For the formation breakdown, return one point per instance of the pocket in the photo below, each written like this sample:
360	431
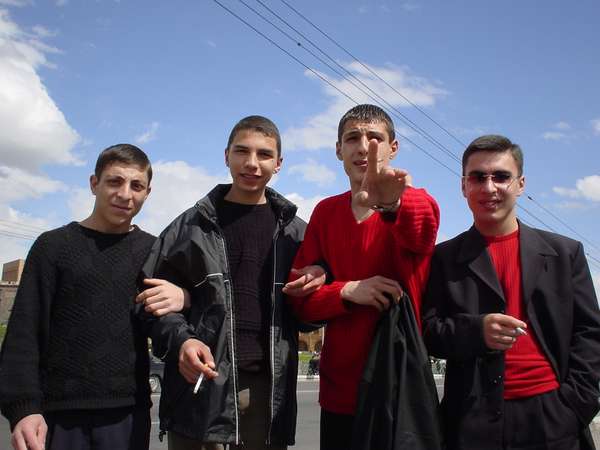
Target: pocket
560	421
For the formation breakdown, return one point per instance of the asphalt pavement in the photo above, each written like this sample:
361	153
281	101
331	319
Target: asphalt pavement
307	433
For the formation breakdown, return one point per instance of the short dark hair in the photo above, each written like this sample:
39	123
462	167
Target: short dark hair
260	124
367	113
126	154
496	144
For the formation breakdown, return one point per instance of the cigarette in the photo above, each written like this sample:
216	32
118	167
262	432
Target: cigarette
520	331
198	383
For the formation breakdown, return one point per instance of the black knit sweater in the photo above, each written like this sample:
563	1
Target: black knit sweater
72	342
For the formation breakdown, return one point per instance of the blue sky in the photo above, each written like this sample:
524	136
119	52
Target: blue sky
173	78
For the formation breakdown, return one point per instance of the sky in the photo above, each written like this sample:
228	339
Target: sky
174	77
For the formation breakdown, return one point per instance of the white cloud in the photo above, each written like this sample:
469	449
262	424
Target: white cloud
148	135
60	3
313	172
17	233
305	205
596	125
562	125
43	32
15	2
587	187
34	131
17	184
409	6
320	131
554	136
176	186
80	203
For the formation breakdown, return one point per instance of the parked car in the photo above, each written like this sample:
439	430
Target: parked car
157	368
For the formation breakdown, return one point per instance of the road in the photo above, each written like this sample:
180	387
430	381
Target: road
307	433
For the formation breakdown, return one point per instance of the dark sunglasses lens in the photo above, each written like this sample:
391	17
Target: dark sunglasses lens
501	178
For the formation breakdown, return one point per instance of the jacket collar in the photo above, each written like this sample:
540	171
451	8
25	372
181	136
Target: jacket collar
284	209
533	250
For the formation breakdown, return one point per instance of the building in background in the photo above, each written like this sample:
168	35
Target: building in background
11	275
13	270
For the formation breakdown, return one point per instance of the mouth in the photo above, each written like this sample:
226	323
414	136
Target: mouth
122	208
249	176
490	204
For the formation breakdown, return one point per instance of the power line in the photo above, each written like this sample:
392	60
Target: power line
373	73
325	79
347	95
563	222
26	227
405	119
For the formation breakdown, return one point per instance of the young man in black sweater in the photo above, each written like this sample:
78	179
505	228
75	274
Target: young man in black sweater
231	360
74	364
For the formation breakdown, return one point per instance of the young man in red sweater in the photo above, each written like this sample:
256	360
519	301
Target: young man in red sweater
514	312
377	240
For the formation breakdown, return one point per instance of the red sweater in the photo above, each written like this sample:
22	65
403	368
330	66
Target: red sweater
527	370
399	249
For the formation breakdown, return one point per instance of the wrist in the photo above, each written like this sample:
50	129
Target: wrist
386	206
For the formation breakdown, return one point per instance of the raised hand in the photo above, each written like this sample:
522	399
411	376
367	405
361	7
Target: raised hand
382	185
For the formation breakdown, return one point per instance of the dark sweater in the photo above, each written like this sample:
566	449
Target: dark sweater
248	232
71	341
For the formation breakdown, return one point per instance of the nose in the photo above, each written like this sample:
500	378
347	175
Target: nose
363	145
488	185
251	161
124	192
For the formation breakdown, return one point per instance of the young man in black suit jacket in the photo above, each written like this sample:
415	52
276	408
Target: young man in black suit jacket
513	310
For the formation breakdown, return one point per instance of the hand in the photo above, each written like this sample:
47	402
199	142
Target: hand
499	331
382	185
163	297
30	433
195	358
375	291
310	279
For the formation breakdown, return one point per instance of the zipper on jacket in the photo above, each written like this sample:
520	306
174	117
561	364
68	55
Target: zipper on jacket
272	336
232	342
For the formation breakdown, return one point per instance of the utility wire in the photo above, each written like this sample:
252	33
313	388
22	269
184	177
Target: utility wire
563	222
375	74
25	227
323	78
403	117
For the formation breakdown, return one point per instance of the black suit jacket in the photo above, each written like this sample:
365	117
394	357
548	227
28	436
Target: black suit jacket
563	313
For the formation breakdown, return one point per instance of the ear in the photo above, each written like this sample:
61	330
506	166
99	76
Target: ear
338	151
227	157
520	185
278	165
93	183
394	146
463	187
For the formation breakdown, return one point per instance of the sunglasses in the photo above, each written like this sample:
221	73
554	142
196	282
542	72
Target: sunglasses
500	178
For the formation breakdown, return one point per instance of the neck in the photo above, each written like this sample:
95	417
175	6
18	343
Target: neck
246	198
94	223
497	229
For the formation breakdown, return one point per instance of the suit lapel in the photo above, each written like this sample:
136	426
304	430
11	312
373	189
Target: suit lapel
474	252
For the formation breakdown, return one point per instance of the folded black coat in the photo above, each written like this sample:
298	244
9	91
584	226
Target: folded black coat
397	399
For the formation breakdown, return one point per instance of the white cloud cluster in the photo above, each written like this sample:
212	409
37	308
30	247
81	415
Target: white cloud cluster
34	131
320	131
596	125
313	172
176	186
554	136
587	188
148	135
305	205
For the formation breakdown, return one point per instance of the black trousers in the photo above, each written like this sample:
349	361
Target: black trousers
336	431
541	422
99	429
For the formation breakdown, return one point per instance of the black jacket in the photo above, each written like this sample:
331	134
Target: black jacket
563	313
191	252
397	399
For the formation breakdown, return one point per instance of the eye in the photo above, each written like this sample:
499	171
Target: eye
501	177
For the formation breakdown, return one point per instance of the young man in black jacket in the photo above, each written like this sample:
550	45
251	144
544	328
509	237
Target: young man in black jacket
231	360
513	310
74	364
